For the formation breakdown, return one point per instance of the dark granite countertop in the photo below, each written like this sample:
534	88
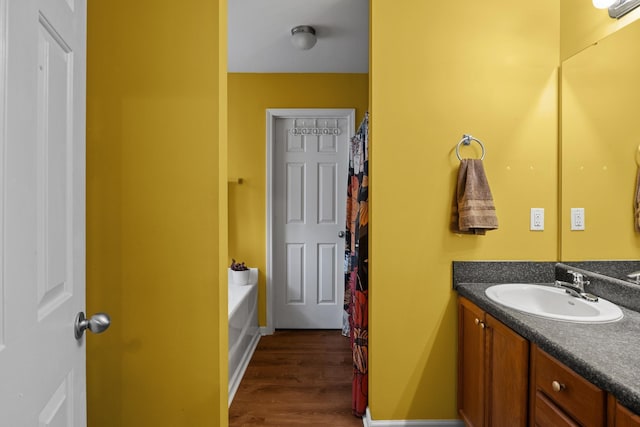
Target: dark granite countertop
608	355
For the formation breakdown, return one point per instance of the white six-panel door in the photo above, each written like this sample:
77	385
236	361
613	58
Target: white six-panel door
309	201
42	205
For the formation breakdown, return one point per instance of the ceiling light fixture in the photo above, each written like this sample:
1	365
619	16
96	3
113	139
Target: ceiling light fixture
303	37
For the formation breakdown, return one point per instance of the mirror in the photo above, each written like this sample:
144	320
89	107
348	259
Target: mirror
600	148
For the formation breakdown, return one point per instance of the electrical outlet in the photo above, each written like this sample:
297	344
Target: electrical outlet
537	219
577	219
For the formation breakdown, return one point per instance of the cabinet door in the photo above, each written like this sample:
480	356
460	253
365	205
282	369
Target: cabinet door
471	364
507	375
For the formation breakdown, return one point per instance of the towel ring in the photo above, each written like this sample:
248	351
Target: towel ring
466	140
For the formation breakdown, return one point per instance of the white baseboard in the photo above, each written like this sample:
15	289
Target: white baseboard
246	358
266	330
368	422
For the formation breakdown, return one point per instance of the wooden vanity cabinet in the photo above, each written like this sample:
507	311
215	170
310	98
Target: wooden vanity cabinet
619	416
501	383
560	397
493	371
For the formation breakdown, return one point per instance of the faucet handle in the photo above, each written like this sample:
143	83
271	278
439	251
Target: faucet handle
634	277
578	278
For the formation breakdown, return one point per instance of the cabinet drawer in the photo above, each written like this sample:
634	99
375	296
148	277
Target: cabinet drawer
548	415
625	418
579	398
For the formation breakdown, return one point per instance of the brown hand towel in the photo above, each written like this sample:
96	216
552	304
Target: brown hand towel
473	210
636	204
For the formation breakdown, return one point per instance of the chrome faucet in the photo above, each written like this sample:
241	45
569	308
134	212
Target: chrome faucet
576	288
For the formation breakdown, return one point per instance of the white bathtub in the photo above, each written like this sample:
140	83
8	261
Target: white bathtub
244	332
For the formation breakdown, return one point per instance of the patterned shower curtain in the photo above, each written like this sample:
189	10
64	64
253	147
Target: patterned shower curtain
357	264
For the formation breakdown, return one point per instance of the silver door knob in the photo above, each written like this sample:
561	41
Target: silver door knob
98	323
340	234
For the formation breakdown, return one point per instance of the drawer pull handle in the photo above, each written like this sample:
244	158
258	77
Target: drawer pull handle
556	386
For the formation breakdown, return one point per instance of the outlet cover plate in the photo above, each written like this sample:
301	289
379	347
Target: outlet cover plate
577	219
537	219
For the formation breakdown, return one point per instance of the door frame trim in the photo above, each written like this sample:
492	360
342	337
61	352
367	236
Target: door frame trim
274	114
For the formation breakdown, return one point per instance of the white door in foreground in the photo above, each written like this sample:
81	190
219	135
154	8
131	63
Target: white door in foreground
42	212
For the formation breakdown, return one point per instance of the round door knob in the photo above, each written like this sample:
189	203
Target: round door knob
557	386
340	234
97	324
477	321
483	325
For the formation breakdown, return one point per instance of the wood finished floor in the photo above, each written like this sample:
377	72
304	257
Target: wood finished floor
297	378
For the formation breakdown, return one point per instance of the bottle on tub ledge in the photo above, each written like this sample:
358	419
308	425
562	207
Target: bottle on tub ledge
240	274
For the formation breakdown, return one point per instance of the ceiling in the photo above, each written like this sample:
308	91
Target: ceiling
260	31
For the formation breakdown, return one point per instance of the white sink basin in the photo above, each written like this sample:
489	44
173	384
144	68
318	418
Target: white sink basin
553	303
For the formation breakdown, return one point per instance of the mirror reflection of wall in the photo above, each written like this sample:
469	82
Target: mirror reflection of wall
600	138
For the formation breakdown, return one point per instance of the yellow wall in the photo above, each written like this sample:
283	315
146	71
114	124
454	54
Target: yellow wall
600	92
223	220
104	219
250	95
440	70
157	172
584	25
156	212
